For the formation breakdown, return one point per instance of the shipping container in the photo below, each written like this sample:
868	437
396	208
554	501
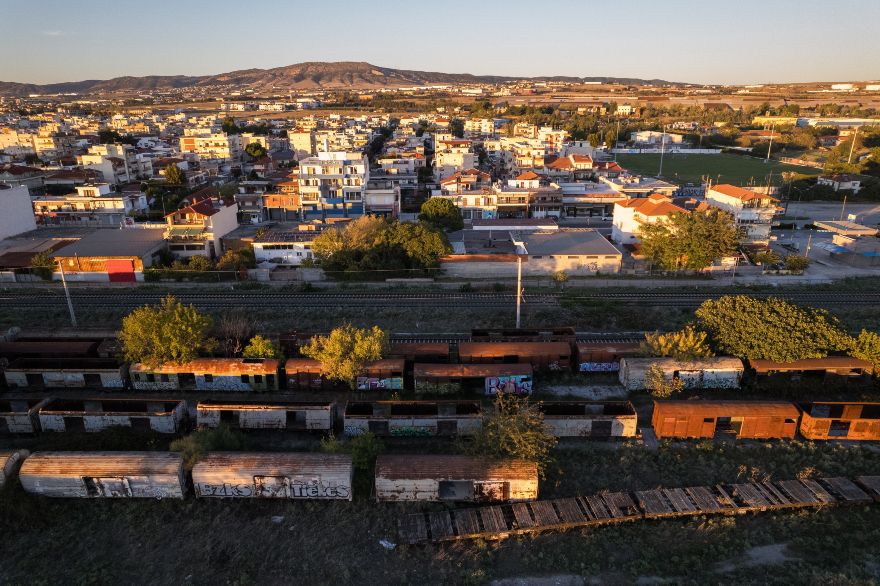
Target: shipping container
104	475
94	415
741	419
604	356
9	463
20	415
830	420
594	419
541	355
42	373
304	374
454	478
312	476
209	374
413	418
721	372
490	379
290	415
830	370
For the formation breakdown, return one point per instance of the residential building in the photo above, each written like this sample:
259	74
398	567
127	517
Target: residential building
93	205
843	181
30	177
752	211
117	163
17	214
573	167
638	186
333	184
211	145
577	251
111	255
631	214
287	247
198	228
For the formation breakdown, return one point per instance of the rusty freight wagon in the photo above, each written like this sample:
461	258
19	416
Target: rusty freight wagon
104	475
49	348
596	419
304	374
487	378
720	372
420	351
831	420
209	374
41	373
454	478
541	355
549	334
20	415
290	415
604	356
94	415
9	462
296	476
830	370
413	418
742	419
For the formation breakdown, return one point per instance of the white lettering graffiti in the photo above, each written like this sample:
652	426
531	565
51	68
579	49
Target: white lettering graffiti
517	384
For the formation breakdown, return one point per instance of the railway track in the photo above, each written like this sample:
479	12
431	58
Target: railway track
263	299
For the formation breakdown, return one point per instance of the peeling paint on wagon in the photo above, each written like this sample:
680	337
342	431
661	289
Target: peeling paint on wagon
721	372
413	418
209	374
298	415
104	475
66	373
293	476
20	415
95	415
453	378
599	419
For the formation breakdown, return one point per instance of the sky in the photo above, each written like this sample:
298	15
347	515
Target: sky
697	41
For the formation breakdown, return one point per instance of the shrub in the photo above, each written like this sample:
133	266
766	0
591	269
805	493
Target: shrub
193	446
659	386
796	263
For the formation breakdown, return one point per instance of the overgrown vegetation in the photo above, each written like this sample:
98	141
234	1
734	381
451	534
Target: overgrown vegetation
684	344
689	241
661	386
167	332
260	347
346	350
194	446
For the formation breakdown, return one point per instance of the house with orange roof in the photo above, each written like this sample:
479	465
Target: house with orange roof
752	211
631	214
196	230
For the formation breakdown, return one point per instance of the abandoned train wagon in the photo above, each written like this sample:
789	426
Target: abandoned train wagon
9	461
541	355
598	419
491	379
831	420
94	415
311	476
743	419
304	374
290	415
548	334
454	478
41	373
20	415
420	351
413	418
104	474
604	356
209	374
721	372
828	370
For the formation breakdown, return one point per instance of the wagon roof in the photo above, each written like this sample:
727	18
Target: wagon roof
470	370
269	463
258	405
726	408
414	467
764	366
511	348
294	364
609	346
421	347
717	362
217	366
78	464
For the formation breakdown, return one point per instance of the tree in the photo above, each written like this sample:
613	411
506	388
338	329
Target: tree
769	329
200	263
866	347
195	445
456	128
346	350
689	240
514	429
560	278
260	347
174	175
43	265
167	332
767	258
658	385
236	260
685	344
233	329
255	150
441	212
796	263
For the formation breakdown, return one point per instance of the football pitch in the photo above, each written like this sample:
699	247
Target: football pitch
722	168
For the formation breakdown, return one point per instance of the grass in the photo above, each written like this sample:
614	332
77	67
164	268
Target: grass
723	168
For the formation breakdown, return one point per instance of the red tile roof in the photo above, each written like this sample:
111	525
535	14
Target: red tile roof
739	193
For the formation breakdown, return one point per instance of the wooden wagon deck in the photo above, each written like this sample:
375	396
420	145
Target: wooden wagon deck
499	521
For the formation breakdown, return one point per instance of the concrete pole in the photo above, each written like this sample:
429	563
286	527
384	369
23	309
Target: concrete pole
518	287
67	294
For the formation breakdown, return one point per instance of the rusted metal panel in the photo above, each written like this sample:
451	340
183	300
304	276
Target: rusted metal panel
274	475
413	418
745	419
104	474
549	334
94	415
839	420
450	378
421	351
209	374
598	419
20	415
9	462
837	364
602	356
380	375
541	355
294	415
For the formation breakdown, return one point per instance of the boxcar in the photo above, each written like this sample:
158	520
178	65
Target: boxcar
40	373
413	418
290	415
104	474
721	372
541	355
382	375
454	478
209	374
828	370
312	476
429	352
94	415
20	415
830	420
490	378
9	462
743	419
549	334
603	356
595	419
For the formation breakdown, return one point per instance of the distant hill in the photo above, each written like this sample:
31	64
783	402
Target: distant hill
311	75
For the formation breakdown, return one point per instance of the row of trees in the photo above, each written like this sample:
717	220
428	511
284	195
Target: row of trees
201	268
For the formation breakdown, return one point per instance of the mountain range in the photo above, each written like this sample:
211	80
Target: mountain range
301	76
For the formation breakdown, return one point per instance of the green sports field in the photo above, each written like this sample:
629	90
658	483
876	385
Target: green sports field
723	168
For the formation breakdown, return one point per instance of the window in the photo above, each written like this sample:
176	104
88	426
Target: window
244	378
151	378
163	378
209	378
258	378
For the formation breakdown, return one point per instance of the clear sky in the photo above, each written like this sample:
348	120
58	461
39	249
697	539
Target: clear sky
708	41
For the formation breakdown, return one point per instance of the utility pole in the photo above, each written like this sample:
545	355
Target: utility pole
67	294
807	251
843	207
770	146
518	287
662	149
616	138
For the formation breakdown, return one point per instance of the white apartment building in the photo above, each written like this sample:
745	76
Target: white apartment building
333	183
752	211
18	213
631	214
197	229
93	205
211	145
118	163
302	143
